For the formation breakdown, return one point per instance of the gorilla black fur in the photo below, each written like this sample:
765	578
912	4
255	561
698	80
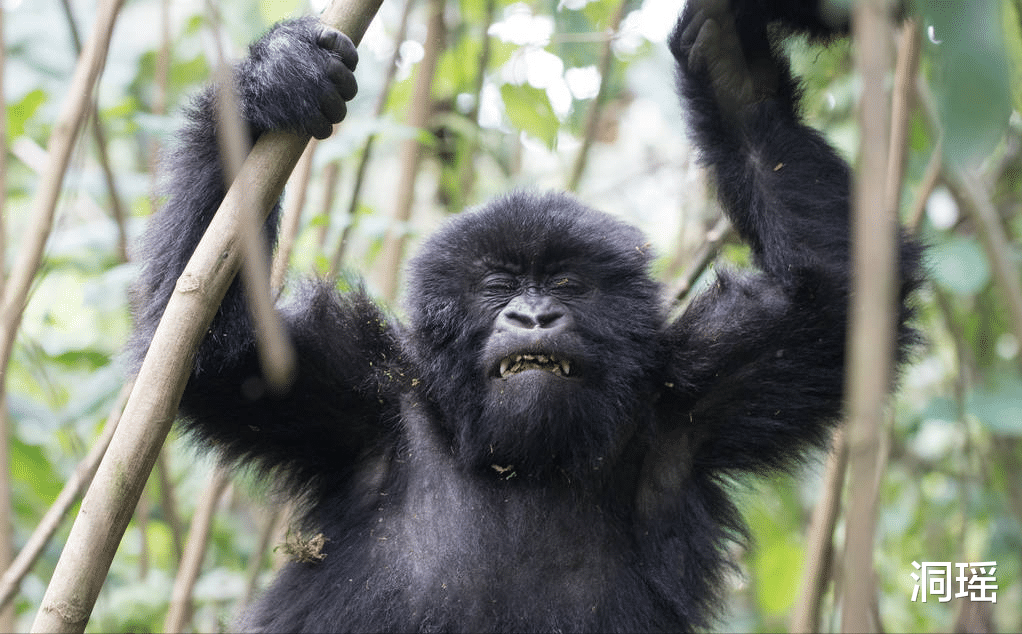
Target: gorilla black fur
540	448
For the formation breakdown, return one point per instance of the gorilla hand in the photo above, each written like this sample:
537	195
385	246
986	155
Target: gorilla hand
740	67
298	78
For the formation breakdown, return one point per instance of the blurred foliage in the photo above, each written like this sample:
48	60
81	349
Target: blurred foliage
951	490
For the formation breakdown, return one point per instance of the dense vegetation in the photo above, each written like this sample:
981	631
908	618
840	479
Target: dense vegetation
573	94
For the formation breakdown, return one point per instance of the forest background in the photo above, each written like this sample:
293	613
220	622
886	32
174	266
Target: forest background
575	95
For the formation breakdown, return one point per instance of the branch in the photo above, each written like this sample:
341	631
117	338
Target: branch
819	555
872	312
272	520
294	202
820	550
151	409
275	353
168	501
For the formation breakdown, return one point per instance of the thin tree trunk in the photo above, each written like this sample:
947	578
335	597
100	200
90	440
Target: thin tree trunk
411	152
821	528
820	550
180	612
367	150
596	107
467	163
152	406
272	520
6	514
294	202
61	143
872	318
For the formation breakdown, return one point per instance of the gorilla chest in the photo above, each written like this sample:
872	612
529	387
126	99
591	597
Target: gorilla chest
474	554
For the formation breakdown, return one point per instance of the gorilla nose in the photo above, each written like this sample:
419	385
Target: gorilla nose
530	313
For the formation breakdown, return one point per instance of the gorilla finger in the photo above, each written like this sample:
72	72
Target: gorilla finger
688	35
705	46
717	7
337	42
332	106
342	78
320	127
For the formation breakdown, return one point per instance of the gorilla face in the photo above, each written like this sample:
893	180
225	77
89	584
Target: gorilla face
535	325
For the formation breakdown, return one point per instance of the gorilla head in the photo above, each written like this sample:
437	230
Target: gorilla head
553	304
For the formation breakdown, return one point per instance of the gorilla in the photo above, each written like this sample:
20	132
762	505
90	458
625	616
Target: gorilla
539	447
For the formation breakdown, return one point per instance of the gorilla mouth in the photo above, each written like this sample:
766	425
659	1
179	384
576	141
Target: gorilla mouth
516	363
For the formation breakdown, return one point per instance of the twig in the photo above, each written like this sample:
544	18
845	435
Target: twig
99	136
596	107
180	612
329	176
169	503
3	157
901	104
702	259
872	317
969	188
926	186
276	355
152	406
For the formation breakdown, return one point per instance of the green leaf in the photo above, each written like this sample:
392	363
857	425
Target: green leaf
529	110
972	80
19	113
960	266
999	406
33	474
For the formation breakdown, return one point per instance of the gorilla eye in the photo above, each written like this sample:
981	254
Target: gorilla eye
568	285
499	284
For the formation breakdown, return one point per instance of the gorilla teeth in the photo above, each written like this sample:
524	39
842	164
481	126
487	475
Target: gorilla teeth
522	362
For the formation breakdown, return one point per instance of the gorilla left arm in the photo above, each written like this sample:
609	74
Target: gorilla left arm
757	361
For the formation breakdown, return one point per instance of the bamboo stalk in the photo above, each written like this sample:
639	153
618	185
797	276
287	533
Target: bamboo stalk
152	406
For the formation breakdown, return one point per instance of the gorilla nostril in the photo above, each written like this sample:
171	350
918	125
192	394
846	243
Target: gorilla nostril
533	311
530	320
520	320
549	320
